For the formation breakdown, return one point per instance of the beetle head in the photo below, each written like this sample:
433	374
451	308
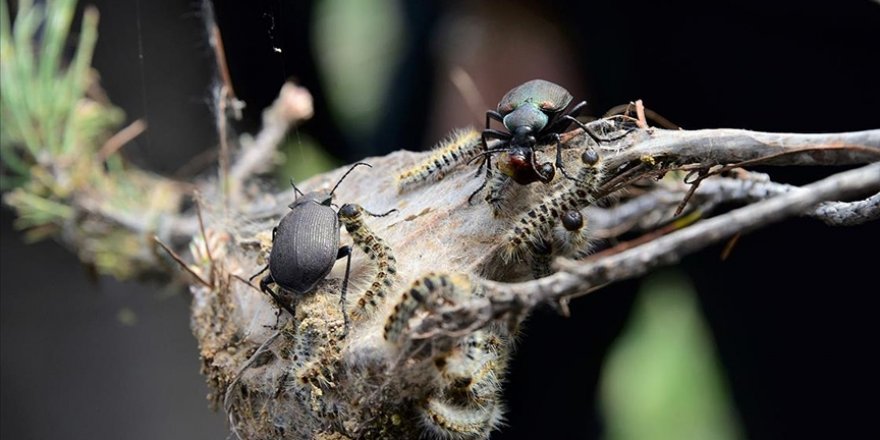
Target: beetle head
522	137
322	197
319	197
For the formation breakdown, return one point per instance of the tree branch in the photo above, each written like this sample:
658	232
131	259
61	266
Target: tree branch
849	214
575	277
293	105
656	206
727	146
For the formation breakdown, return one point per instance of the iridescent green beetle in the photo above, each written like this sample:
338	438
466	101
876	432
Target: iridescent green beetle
533	113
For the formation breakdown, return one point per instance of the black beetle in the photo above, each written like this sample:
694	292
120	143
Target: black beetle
305	246
532	113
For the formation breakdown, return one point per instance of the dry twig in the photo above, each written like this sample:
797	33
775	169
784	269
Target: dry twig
579	276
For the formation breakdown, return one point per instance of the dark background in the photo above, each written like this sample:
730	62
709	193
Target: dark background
793	310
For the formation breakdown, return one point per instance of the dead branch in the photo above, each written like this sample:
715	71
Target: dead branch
849	214
729	146
656	207
293	105
578	276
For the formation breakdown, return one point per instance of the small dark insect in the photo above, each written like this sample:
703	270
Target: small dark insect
305	246
533	113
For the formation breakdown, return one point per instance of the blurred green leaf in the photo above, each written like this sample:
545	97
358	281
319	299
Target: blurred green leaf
358	45
662	379
43	109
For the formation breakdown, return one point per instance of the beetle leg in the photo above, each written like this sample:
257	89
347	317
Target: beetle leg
496	134
264	287
255	275
562	123
487	160
576	110
592	135
544	177
274	231
278	312
493	134
344	251
492	114
555	137
580	124
614	138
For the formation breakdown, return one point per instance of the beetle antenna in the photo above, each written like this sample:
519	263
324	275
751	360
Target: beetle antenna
382	214
346	175
488	152
294	187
